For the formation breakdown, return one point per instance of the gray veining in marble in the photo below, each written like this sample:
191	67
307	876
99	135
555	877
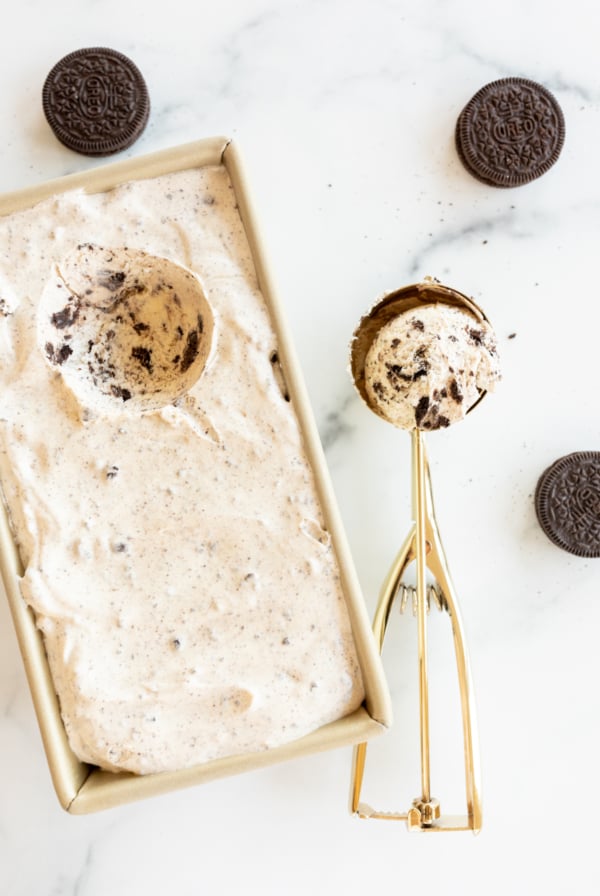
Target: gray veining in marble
345	113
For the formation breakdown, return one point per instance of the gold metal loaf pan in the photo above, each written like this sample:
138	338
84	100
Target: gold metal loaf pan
82	788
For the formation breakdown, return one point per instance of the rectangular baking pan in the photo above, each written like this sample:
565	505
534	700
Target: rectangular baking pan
82	788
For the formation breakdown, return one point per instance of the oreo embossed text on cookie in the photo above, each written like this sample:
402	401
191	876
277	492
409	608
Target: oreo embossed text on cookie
567	503
96	101
510	133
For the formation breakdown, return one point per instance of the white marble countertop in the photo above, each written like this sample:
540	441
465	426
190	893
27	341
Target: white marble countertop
345	113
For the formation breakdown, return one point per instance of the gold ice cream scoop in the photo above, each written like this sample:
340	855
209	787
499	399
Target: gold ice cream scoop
417	356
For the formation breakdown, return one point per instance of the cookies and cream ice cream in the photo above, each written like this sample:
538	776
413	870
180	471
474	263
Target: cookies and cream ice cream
174	548
125	326
427	366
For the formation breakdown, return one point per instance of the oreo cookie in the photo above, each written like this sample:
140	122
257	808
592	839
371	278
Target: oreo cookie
510	133
96	101
567	503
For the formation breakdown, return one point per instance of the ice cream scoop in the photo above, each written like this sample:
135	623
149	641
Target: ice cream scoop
423	356
127	330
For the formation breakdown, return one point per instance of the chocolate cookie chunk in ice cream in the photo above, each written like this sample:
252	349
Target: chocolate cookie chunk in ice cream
124	326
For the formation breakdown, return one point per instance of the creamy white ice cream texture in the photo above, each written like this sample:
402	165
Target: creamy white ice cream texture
428	366
174	546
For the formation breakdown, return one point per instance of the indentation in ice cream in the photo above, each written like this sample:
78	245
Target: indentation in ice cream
428	366
123	326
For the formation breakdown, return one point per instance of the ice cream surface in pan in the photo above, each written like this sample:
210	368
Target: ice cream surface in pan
167	517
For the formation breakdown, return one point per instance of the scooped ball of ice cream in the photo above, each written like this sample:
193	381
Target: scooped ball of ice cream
126	329
427	366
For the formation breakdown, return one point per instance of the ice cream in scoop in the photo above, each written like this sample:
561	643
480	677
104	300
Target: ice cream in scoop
427	366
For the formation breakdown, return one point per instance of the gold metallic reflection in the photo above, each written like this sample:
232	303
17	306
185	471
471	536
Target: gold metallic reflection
424	546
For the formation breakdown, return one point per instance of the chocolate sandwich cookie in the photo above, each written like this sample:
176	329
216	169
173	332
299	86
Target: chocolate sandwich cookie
510	132
96	101
567	503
